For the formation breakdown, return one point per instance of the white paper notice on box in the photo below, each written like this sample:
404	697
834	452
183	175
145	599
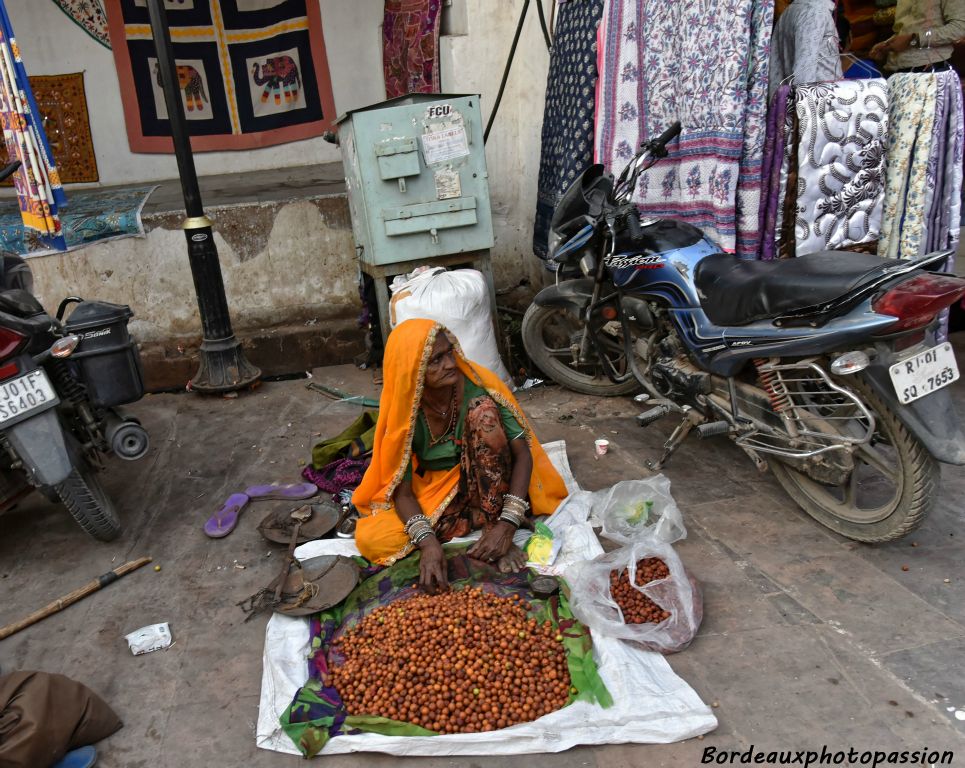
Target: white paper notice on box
445	145
154	637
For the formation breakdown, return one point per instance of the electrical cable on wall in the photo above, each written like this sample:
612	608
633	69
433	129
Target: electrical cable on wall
512	55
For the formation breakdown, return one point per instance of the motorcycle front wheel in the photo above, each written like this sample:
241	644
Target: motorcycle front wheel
893	487
88	503
551	336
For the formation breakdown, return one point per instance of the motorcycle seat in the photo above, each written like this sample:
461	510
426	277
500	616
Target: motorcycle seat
20	303
736	291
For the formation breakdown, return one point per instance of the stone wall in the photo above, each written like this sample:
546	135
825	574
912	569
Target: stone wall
289	274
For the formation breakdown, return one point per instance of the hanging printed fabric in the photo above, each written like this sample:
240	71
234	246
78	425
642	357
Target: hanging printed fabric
705	65
944	175
843	134
567	134
90	16
252	73
62	104
911	115
775	146
751	168
39	191
783	239
410	46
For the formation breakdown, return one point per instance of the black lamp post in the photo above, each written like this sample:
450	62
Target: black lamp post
223	366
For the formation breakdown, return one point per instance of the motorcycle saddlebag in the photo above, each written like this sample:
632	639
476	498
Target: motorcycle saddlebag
107	358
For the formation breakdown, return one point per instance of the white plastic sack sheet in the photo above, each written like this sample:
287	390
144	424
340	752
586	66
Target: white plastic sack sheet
592	603
635	509
459	299
651	704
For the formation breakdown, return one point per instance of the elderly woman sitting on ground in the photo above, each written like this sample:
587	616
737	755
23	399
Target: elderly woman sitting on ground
453	453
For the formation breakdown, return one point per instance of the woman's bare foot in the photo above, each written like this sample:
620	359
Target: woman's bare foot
514	560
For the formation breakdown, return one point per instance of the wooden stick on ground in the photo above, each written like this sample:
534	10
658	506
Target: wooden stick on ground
78	594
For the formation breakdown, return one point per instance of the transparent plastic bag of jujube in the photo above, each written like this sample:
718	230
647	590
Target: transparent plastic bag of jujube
679	594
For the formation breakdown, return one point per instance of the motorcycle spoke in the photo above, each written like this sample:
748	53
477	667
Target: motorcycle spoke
851	489
874	459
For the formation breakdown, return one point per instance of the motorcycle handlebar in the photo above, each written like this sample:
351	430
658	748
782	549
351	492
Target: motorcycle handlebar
652	150
633	223
671	133
658	147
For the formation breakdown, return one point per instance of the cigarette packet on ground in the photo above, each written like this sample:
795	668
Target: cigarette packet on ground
150	638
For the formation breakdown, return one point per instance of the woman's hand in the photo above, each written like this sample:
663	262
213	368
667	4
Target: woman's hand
494	543
894	44
432	567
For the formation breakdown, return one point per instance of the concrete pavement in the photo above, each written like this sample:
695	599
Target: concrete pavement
808	639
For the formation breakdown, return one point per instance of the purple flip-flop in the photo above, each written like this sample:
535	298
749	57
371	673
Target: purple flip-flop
285	491
223	522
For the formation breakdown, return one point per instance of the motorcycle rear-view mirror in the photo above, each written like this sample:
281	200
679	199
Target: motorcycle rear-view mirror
596	199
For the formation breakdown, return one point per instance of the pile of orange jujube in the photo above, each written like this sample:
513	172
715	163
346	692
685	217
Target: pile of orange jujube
637	607
460	662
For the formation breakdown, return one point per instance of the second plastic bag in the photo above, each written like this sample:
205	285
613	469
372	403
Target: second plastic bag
592	603
635	509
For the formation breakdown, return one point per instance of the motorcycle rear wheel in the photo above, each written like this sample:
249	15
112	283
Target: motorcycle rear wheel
88	503
545	329
896	457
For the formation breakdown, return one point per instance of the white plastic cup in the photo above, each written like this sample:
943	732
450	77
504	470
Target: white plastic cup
602	446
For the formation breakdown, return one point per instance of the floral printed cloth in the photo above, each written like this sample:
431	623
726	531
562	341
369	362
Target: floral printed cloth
704	64
843	131
911	115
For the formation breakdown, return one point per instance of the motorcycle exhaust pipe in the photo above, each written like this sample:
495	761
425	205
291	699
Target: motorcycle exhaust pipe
127	439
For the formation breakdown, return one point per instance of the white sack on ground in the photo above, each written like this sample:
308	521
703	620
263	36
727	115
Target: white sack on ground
651	703
459	299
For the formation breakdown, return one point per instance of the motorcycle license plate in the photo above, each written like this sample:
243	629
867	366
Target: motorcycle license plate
922	374
25	394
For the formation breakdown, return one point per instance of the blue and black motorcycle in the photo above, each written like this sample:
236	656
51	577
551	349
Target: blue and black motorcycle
829	365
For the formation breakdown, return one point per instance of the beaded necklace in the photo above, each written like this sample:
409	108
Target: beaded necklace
450	424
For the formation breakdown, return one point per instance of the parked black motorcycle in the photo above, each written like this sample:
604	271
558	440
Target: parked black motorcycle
60	383
829	364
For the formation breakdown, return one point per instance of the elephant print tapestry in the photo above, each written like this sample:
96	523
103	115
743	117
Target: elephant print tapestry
251	73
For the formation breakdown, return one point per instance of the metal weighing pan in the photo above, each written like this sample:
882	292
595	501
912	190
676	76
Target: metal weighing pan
318	583
277	525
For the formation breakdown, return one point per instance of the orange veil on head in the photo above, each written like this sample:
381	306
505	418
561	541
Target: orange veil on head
379	533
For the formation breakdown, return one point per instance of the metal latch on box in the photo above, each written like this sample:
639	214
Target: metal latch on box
397	159
430	217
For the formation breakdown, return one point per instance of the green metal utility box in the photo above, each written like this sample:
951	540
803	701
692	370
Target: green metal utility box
418	189
415	170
